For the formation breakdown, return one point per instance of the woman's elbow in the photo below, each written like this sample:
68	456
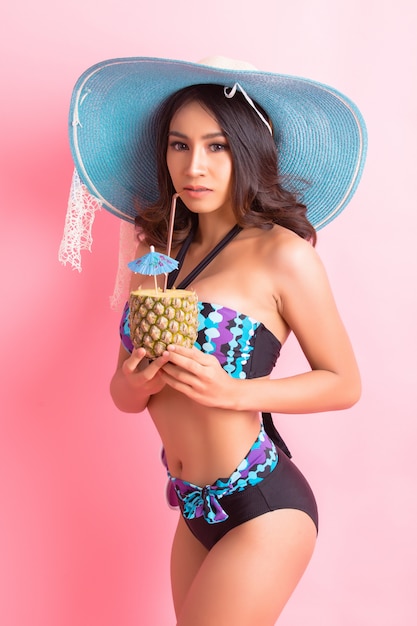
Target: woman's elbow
351	392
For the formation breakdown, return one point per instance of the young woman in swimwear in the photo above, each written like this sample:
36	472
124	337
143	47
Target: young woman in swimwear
248	521
209	419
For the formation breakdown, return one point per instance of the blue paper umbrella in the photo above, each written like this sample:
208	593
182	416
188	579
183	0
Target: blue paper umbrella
153	263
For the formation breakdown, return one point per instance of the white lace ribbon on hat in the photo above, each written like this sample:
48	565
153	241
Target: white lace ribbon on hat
229	92
78	223
77	236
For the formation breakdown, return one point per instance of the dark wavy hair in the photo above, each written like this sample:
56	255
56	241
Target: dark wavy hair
259	196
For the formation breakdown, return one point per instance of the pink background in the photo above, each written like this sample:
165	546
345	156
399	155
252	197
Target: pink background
84	530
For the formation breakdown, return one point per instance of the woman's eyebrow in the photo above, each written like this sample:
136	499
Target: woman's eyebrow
175	133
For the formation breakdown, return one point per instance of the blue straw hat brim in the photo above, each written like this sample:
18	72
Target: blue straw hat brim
320	134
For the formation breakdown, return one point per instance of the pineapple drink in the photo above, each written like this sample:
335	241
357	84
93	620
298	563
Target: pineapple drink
159	318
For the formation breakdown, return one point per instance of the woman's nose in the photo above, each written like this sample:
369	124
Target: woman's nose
196	165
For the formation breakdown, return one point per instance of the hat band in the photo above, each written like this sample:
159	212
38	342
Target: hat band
229	92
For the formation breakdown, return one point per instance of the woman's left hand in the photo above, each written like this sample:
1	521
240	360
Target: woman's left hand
199	376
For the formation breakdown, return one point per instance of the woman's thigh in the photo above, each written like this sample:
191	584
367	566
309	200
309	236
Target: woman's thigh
187	555
249	575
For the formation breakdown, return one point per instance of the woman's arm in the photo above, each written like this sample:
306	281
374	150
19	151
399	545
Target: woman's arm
305	301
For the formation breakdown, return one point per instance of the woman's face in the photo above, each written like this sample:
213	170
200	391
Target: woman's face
199	161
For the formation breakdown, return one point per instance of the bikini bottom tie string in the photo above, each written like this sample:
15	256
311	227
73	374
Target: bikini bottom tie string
203	502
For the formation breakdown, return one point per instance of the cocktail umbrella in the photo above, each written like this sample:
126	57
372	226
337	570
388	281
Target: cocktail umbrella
153	264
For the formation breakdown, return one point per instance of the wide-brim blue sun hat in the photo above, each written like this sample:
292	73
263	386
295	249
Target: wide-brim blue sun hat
320	136
320	133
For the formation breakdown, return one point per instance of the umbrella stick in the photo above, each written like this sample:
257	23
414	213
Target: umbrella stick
170	231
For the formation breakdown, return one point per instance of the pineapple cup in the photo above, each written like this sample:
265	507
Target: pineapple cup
159	318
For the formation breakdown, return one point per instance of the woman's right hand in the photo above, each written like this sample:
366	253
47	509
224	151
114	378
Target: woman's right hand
135	381
141	376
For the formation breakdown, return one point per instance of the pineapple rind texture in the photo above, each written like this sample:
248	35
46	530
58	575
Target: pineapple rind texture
160	319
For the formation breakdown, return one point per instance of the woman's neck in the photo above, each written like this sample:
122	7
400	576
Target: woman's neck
211	229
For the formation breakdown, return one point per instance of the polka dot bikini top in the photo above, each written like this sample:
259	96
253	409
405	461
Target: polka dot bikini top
244	347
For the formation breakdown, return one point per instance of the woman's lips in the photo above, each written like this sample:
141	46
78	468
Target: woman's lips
196	192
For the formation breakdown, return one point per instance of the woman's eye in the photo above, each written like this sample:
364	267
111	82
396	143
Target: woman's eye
178	145
218	147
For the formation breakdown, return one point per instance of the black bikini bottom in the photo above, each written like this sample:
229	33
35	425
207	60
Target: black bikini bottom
284	488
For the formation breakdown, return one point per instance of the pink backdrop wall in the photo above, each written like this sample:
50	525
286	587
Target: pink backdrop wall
77	543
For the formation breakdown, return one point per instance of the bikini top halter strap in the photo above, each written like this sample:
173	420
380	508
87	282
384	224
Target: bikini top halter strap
204	262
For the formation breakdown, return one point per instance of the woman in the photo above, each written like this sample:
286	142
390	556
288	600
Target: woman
248	522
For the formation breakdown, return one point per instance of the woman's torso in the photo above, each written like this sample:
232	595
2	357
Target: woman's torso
202	443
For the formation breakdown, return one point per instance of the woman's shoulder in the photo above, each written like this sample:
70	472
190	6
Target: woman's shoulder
278	249
285	248
289	259
294	265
